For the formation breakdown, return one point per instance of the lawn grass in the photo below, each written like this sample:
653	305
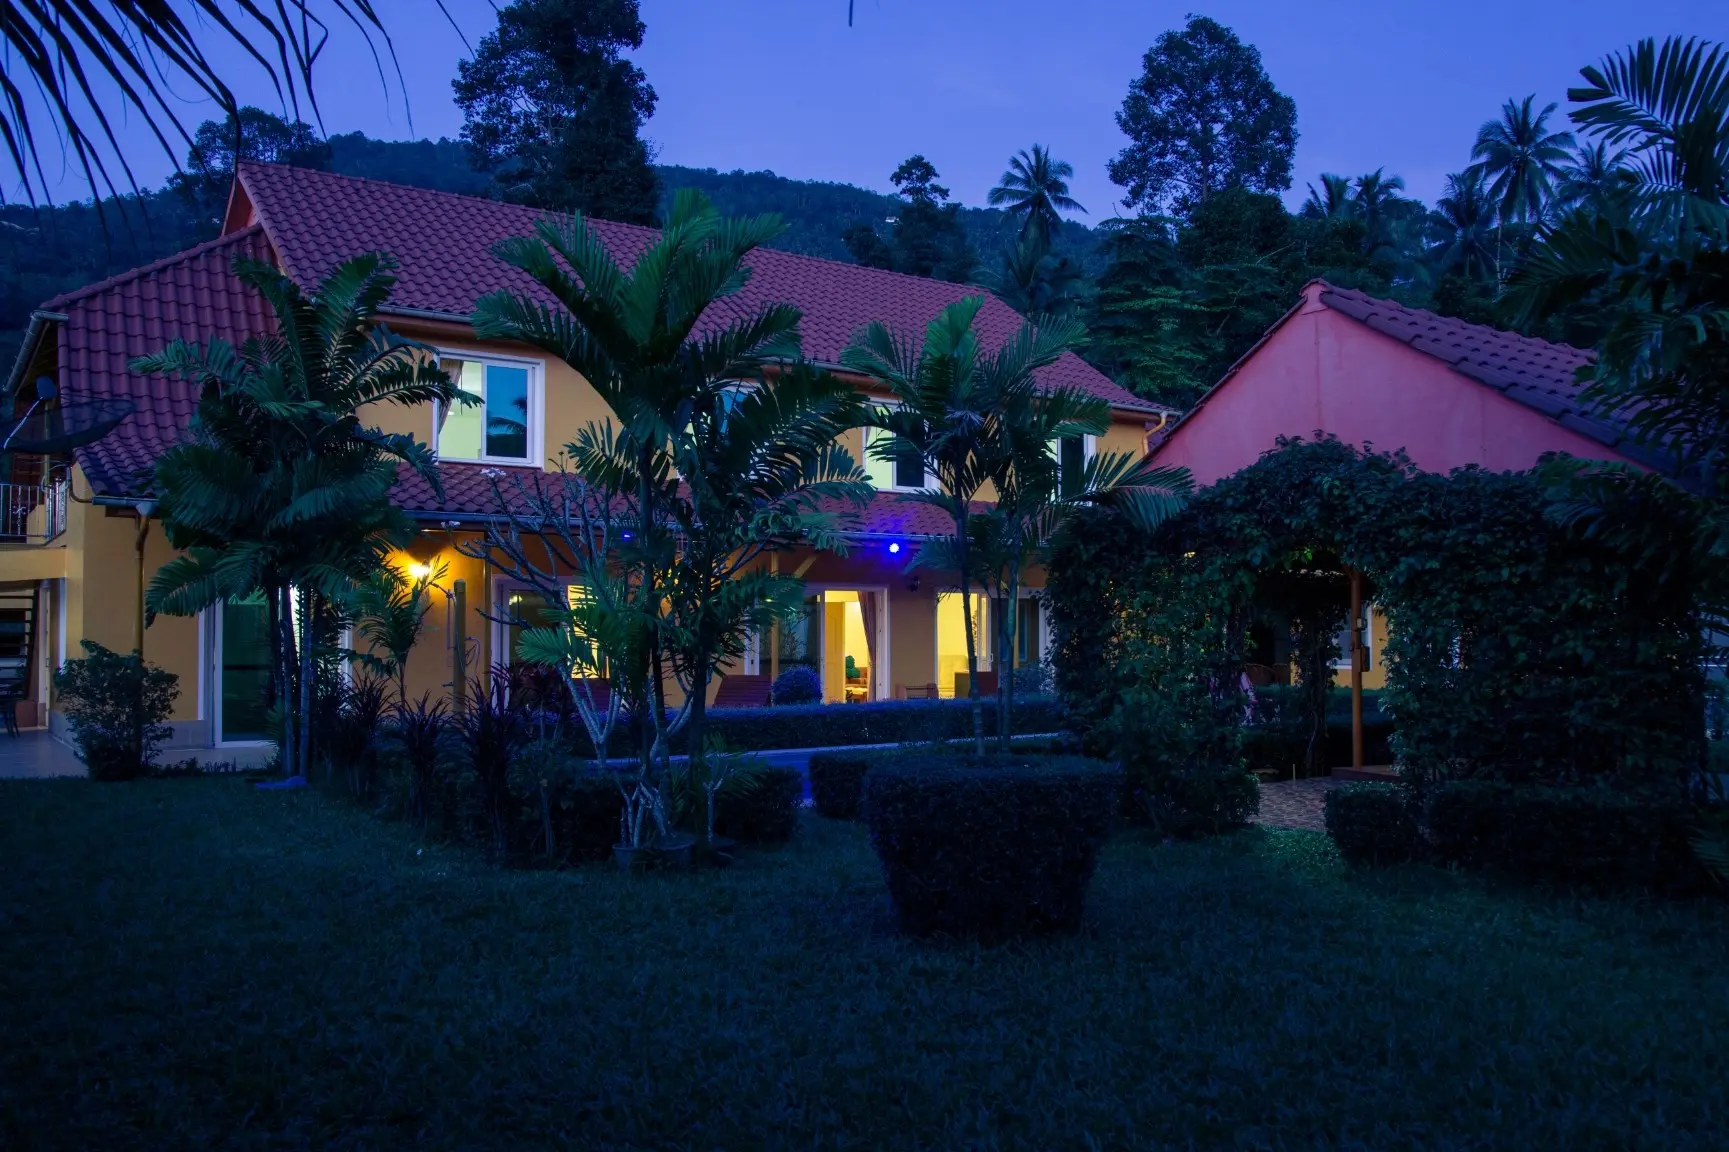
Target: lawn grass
190	964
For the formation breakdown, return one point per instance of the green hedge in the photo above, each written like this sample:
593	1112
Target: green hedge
993	848
837	782
1584	835
768	813
1372	823
879	722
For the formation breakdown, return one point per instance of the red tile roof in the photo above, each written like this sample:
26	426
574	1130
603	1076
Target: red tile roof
192	295
444	245
1528	371
468	493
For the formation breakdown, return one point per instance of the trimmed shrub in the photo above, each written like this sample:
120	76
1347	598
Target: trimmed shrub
764	814
799	684
1371	823
586	810
117	707
1586	835
1199	801
993	848
878	722
837	782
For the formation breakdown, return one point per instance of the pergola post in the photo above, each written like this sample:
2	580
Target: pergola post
1357	654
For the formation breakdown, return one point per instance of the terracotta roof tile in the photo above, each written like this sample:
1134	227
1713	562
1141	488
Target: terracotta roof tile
192	295
444	245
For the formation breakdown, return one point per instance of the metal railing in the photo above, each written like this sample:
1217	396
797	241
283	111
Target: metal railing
32	513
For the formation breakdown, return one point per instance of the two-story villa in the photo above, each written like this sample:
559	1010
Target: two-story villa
77	547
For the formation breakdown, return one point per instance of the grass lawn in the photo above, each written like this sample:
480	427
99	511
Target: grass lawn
189	964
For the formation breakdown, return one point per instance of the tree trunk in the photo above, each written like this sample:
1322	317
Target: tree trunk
964	556
304	720
696	757
1007	628
283	617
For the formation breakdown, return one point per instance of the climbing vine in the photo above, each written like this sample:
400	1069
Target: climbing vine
1520	647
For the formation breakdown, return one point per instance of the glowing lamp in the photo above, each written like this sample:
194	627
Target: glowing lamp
420	571
894	548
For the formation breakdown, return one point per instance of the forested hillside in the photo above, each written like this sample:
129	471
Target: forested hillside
49	250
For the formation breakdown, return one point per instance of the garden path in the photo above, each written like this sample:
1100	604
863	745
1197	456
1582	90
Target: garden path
1296	803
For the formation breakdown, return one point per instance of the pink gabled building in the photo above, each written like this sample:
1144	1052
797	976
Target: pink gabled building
1375	372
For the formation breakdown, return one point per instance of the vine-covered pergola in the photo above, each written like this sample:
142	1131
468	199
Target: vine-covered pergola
1520	647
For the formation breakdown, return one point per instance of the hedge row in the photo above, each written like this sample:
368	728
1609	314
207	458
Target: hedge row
994	847
878	722
1588	836
837	778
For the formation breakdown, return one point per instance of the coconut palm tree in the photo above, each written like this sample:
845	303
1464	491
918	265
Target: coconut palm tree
1522	160
280	488
1372	194
1332	201
1034	188
83	72
1461	225
1596	173
1035	282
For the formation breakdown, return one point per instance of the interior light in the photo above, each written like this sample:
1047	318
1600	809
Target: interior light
894	548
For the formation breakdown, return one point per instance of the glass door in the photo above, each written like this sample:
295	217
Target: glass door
243	670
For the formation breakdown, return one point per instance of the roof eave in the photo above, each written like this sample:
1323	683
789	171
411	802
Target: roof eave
40	321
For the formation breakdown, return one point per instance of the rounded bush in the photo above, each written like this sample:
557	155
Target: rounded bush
1372	823
797	685
837	783
993	848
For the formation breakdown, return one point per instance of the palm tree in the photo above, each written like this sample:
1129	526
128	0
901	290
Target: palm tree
84	65
1655	253
757	463
1372	194
1035	496
389	614
948	394
1521	159
280	488
1037	283
1034	188
1596	173
1461	223
1332	201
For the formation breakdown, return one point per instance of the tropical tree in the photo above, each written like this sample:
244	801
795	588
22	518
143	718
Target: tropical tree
1656	255
1461	225
947	393
1332	200
1373	195
553	109
78	68
690	452
389	610
1597	173
1202	117
279	488
1035	188
1522	160
1038	489
1036	282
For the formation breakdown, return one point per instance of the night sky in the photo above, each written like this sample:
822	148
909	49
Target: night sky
786	85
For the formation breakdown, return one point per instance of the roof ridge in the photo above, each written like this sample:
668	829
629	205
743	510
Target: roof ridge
1504	333
143	270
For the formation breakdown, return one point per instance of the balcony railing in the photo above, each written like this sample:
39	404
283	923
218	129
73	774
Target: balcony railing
32	513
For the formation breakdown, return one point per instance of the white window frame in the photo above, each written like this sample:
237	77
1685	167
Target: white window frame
1089	449
1344	665
536	457
865	446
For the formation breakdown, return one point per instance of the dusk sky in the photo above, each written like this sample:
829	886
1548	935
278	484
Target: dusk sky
786	85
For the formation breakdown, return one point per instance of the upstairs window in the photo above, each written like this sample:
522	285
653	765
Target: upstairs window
1072	454
902	475
502	428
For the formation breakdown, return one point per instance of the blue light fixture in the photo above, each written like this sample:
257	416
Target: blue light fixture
894	548
628	534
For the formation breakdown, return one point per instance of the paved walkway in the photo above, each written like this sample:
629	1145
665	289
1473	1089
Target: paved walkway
1296	803
35	755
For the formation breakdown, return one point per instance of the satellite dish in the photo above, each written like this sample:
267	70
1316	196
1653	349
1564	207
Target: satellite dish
63	428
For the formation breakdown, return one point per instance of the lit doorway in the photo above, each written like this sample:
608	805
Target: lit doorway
951	670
